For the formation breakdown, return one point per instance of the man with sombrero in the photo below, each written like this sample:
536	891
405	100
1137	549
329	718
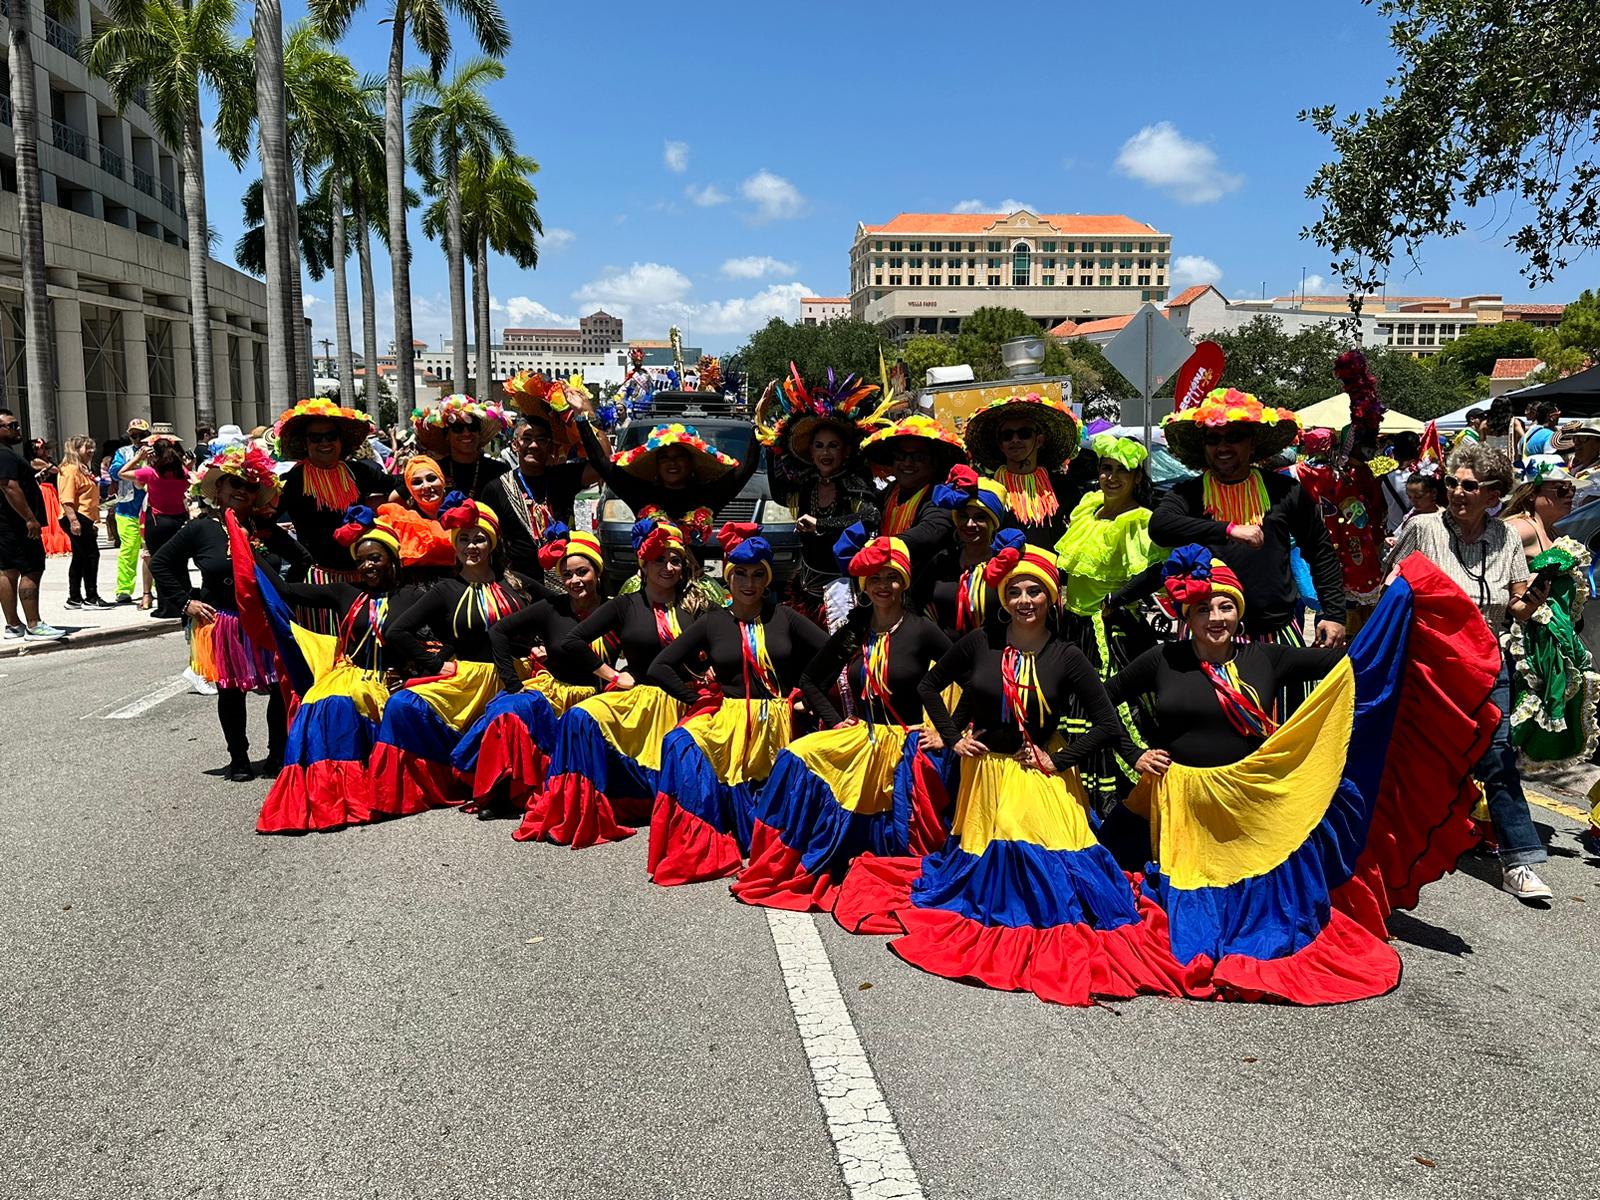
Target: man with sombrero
547	476
1247	516
676	471
918	452
1021	441
321	439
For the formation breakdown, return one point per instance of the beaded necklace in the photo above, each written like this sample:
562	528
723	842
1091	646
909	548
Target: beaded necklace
332	488
899	516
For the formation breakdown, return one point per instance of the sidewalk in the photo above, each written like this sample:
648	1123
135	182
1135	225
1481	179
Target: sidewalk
88	626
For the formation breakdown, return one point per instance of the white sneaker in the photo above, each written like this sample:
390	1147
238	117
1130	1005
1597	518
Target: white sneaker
41	632
1524	884
15	633
199	684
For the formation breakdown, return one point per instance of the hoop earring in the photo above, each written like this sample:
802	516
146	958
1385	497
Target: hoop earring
863	600
1003	616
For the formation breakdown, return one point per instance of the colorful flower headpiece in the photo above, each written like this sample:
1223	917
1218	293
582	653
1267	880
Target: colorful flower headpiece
965	486
430	423
1276	429
709	462
878	446
560	543
249	463
741	542
1013	556
550	401
361	524
803	409
458	513
694	524
1192	574
354	426
880	554
1057	426
1128	453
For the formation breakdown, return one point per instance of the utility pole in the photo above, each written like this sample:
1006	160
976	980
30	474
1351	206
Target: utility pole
327	357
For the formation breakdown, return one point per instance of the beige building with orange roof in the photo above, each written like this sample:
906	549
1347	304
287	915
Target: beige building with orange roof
923	272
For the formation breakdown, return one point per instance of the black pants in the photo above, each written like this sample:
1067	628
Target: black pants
158	531
83	572
231	714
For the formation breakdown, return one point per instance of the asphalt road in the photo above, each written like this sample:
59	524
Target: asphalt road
426	1008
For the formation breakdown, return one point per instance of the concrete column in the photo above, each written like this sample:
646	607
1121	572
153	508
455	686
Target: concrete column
183	406
72	392
135	402
246	407
221	335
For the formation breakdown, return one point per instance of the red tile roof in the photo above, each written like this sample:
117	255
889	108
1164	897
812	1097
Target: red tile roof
1066	329
1069	223
1104	325
1515	368
1554	310
824	299
1190	295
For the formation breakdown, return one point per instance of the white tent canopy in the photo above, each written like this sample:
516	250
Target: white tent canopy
1334	413
1453	421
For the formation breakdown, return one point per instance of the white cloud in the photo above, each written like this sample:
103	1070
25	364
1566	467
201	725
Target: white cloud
1005	206
310	301
556	238
1162	157
755	266
1313	285
676	156
651	297
524	311
1189	269
775	198
707	196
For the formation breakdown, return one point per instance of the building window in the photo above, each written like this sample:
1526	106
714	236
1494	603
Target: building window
1106	247
1125	264
104	379
894	281
1124	280
877	245
994	247
1426	335
994	281
1048	280
915	281
1048	247
972	281
1447	333
1144	280
163	376
1105	281
1021	265
936	247
1406	336
916	246
1048	264
1086	281
877	280
915	262
1144	247
236	373
1161	281
935	280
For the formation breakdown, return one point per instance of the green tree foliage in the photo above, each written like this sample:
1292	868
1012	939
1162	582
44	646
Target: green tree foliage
1423	388
1579	329
925	351
845	345
1475	351
986	329
1493	101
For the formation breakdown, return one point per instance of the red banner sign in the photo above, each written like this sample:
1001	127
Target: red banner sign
1198	376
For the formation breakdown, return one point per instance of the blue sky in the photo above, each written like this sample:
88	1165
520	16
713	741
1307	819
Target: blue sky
706	163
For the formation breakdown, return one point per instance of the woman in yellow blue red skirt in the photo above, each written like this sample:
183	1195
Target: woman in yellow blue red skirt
713	764
602	776
324	785
506	754
1022	897
872	779
411	768
240	481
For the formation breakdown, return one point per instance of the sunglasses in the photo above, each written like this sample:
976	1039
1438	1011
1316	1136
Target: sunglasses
326	435
1559	491
1016	435
10	424
464	426
1468	486
1233	437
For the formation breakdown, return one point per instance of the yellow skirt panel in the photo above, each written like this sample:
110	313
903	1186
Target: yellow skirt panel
1001	800
858	763
636	721
742	738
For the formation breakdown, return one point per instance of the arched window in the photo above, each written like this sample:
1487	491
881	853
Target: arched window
1020	265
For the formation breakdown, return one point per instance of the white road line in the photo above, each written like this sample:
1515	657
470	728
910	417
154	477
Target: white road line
145	703
866	1140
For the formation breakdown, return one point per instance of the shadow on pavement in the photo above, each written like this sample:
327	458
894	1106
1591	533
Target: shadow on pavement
1416	932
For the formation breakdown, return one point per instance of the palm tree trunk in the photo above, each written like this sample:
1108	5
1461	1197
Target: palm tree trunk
30	216
394	153
304	367
268	31
456	258
341	292
480	296
372	387
194	199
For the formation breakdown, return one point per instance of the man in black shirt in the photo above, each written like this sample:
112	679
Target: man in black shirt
21	542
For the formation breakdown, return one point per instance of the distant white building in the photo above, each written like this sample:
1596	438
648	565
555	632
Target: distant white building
817	310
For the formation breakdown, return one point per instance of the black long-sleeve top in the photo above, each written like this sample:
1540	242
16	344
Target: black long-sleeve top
1271	599
314	525
975	663
204	542
792	642
639	494
937	589
549	623
633	620
351	605
1189	722
855	500
470	478
556	487
915	646
455	620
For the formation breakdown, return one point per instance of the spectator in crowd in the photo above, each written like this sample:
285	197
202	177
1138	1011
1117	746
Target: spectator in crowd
80	521
129	506
21	543
158	469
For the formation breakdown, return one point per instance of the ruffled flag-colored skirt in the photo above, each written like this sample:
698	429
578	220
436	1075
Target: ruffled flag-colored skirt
713	767
411	766
324	783
837	794
1275	873
506	753
602	775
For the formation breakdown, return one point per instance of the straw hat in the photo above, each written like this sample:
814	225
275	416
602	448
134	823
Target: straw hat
709	463
1275	429
1054	419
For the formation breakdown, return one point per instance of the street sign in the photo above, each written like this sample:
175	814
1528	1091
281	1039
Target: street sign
1147	351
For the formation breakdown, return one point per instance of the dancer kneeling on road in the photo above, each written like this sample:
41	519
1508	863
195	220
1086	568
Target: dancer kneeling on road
714	764
608	751
242	481
874	779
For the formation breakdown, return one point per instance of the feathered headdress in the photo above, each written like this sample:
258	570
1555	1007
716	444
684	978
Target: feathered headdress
803	409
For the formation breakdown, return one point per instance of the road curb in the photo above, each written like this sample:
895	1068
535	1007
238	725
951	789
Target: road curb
92	637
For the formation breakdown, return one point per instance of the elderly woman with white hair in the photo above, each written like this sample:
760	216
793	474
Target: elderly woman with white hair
1484	556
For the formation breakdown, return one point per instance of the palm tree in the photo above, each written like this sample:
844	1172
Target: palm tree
283	332
428	21
315	227
452	120
500	212
30	214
